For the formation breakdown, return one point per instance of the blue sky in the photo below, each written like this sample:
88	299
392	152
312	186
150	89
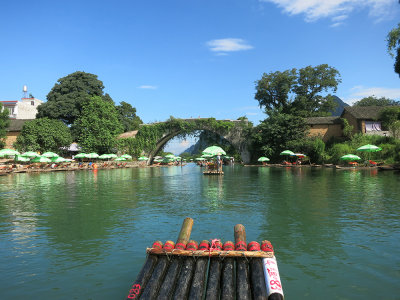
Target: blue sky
195	58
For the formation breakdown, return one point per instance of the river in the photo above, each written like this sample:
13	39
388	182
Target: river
83	234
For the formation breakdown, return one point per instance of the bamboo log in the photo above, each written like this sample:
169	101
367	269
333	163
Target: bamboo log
227	280
214	279
144	274
185	277
271	273
154	283
199	279
243	290
258	288
156	279
167	287
184	235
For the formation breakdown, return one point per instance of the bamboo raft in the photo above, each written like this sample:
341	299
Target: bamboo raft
188	270
213	172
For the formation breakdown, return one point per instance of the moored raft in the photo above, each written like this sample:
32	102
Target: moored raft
209	269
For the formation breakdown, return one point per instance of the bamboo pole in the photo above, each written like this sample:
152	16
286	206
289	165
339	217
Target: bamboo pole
214	279
184	235
227	279
144	274
271	274
258	288
184	279
199	277
167	287
243	291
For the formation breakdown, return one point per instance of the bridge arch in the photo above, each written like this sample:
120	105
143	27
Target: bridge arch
234	131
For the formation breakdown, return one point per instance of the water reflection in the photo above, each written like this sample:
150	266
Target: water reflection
70	230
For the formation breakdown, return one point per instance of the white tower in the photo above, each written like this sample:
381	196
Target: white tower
25	91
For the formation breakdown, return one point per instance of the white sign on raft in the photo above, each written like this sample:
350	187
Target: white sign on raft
271	275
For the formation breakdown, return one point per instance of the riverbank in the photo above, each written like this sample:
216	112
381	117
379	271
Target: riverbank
8	169
345	167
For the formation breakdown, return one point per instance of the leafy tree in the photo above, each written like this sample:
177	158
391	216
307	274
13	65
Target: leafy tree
4	122
65	100
43	135
97	126
299	92
374	101
273	89
394	129
311	82
278	132
347	128
127	116
389	115
393	45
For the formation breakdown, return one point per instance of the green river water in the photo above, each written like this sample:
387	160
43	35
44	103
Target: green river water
83	235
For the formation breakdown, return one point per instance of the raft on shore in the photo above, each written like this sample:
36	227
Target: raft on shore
210	270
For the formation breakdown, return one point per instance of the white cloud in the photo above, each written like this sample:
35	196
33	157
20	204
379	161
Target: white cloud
228	45
317	9
147	87
359	92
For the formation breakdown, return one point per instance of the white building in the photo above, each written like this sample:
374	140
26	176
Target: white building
24	109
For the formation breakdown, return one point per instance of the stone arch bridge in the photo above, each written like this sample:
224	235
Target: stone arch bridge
236	136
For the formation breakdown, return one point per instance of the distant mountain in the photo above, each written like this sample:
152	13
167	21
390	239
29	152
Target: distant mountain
206	139
339	108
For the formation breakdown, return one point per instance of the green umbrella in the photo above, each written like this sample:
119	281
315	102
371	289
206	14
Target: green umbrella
178	158
80	155
200	158
8	152
104	156
142	158
41	159
214	150
91	155
21	158
50	154
207	155
30	154
57	159
350	157
263	158
287	152
112	155
169	156
369	148
127	156
120	159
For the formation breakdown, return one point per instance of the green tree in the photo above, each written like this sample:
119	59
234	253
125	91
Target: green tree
4	122
277	133
374	101
393	46
127	116
273	89
394	129
389	115
43	135
97	126
65	100
302	92
312	83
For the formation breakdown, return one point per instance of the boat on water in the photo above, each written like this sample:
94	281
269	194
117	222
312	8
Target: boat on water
209	269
